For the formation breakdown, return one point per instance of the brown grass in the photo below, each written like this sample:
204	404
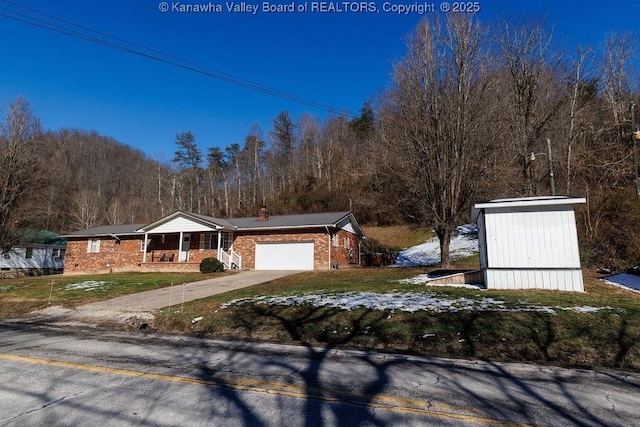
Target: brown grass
399	236
608	338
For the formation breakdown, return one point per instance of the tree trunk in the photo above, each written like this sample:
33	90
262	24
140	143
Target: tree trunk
444	235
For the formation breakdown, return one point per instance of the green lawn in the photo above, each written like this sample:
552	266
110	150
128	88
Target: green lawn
608	337
20	296
530	326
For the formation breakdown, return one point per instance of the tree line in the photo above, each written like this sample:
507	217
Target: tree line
465	118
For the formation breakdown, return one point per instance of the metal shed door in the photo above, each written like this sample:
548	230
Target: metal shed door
284	256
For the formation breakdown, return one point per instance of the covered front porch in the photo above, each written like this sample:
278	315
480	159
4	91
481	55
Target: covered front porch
168	249
185	239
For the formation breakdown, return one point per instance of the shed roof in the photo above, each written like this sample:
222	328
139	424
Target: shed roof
524	202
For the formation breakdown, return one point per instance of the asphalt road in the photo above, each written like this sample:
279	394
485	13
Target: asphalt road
52	376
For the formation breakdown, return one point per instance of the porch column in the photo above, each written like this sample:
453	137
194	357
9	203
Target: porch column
180	245
219	242
146	242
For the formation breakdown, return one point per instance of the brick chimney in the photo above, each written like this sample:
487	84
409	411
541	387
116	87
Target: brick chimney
263	214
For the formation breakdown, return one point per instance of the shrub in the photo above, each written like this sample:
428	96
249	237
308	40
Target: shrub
211	265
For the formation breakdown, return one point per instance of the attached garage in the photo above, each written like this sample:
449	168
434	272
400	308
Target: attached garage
284	256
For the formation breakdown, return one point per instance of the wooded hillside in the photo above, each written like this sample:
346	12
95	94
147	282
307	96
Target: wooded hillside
468	106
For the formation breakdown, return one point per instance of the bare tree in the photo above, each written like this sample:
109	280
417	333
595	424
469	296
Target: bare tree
432	121
582	91
531	93
617	52
22	172
87	210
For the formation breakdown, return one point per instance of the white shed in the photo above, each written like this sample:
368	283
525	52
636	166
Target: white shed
529	243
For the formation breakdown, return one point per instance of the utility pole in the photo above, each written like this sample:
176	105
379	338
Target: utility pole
634	137
552	180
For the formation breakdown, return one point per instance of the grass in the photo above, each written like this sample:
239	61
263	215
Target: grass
607	338
398	237
20	296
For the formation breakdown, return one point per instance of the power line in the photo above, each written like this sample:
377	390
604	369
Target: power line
153	54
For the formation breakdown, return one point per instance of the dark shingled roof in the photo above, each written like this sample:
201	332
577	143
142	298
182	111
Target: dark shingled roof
107	230
277	222
223	222
328	219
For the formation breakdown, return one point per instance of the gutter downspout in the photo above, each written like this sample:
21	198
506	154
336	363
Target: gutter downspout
329	234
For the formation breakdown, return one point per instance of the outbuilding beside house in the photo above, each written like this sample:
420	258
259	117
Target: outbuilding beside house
181	240
32	259
528	243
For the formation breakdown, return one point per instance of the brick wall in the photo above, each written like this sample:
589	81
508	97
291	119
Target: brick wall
245	245
126	256
112	256
345	250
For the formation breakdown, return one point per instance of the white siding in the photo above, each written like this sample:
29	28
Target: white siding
40	258
179	224
561	279
517	238
349	227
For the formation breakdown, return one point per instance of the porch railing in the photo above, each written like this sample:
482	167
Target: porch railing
230	260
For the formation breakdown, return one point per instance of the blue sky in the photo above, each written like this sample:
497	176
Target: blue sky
335	58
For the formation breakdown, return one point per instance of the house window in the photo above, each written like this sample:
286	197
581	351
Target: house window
29	253
335	241
206	241
347	243
142	248
58	254
227	240
93	246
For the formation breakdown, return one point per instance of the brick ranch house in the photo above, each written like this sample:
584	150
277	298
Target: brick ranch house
179	241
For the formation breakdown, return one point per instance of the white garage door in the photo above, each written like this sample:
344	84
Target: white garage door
284	256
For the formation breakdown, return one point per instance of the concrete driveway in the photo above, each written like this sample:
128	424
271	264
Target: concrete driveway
166	297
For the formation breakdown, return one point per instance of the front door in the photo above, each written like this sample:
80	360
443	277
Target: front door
184	254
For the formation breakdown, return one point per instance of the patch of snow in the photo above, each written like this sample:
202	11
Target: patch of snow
463	244
407	301
588	309
624	280
88	285
424	279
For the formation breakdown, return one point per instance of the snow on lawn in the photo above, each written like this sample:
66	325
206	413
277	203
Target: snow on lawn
624	280
424	279
463	244
402	301
88	285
